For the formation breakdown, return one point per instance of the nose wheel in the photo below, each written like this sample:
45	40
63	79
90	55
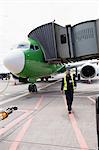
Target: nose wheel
32	88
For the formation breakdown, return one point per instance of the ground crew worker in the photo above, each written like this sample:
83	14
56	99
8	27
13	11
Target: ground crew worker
68	83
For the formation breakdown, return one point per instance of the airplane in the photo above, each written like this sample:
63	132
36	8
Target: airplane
27	61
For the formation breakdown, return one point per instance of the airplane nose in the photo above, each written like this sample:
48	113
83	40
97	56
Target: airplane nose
15	61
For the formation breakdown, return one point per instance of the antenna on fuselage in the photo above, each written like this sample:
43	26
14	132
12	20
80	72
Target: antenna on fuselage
53	21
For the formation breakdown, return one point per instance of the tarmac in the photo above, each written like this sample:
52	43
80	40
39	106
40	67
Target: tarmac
42	121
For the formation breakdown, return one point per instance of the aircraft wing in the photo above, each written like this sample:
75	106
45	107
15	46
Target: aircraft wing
80	63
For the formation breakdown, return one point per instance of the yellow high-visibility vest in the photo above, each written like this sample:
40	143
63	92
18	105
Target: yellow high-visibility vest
65	82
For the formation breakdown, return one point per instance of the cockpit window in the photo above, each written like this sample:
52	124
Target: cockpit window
36	47
32	47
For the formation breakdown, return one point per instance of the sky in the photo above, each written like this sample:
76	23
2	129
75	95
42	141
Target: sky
19	17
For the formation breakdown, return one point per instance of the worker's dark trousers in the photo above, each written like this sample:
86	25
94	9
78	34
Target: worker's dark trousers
69	99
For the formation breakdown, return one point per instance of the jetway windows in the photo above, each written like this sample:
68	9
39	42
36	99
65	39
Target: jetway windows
84	34
91	33
63	38
85	39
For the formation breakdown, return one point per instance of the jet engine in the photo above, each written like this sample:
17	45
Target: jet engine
88	71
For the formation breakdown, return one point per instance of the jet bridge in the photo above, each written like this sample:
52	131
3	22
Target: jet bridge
80	41
85	39
54	39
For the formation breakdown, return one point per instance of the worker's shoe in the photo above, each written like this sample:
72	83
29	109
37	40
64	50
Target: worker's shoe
69	112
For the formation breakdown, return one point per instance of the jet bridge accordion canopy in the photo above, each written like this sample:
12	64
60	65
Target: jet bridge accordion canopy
54	39
70	42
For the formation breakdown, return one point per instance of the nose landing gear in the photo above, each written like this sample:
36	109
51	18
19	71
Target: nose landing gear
32	88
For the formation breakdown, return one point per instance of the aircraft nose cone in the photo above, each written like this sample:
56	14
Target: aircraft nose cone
15	61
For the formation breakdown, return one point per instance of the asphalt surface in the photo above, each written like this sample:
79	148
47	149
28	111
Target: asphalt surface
42	121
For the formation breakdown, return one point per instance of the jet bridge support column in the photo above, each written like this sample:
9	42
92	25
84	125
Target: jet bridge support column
97	119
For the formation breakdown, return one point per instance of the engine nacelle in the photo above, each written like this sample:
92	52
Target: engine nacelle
88	71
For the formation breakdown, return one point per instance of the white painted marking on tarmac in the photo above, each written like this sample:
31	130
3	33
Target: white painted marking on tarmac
23	110
13	98
48	85
20	96
7	94
80	96
91	99
23	91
